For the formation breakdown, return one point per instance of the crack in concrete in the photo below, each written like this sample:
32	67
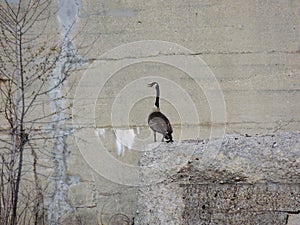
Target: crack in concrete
160	54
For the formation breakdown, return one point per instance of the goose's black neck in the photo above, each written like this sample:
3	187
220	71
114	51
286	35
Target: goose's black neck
157	102
157	96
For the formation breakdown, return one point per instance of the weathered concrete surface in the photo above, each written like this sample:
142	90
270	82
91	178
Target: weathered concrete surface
248	180
252	48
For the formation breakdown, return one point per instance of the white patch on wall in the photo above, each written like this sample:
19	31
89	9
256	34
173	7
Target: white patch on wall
101	132
124	138
120	147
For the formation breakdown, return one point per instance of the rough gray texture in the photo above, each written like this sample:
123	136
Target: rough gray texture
252	48
250	180
58	202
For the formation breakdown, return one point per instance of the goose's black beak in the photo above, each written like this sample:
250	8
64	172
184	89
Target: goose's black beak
152	84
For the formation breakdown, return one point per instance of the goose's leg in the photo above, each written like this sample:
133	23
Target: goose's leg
162	140
154	134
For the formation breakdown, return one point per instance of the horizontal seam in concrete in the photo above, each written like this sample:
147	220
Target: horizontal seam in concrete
195	54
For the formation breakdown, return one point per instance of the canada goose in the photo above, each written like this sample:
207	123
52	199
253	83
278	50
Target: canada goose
157	121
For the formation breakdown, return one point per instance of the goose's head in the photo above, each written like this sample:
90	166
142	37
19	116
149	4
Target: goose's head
155	84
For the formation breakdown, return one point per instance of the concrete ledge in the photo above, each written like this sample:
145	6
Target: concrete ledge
245	180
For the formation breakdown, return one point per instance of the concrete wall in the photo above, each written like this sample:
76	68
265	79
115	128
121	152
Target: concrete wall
249	54
223	66
252	49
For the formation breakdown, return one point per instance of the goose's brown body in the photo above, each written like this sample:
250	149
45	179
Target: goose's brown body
157	121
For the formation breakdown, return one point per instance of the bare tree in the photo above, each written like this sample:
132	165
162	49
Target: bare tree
28	59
